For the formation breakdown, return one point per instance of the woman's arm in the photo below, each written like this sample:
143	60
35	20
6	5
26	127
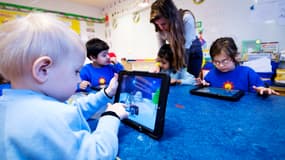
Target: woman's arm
189	29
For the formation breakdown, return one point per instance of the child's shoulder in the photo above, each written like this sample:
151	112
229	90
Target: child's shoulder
5	85
244	68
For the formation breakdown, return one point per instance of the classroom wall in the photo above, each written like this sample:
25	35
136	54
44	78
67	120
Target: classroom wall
67	7
219	18
138	40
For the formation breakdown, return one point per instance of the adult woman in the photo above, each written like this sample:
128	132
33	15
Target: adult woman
177	27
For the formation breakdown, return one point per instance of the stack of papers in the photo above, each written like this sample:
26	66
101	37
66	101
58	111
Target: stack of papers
259	65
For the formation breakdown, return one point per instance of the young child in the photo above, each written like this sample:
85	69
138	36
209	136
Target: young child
165	60
42	56
228	73
98	74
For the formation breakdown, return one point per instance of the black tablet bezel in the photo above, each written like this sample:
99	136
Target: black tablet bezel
157	132
235	97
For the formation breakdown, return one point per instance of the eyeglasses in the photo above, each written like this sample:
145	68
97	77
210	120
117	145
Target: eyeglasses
223	62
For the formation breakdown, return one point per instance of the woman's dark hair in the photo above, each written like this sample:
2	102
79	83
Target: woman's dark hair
227	45
95	46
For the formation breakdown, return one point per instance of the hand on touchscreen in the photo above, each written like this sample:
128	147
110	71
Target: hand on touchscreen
200	82
264	91
119	109
113	85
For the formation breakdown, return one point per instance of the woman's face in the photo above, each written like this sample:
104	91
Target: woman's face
163	24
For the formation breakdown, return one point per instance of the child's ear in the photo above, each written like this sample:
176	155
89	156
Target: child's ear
40	68
93	58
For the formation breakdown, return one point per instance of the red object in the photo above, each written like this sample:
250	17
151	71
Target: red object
112	54
179	106
106	18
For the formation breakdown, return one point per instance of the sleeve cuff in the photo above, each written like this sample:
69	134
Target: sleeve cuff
110	113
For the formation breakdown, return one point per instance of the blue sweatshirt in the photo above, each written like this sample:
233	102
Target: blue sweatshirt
99	75
35	126
242	78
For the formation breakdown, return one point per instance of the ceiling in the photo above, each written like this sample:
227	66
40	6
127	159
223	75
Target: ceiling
95	3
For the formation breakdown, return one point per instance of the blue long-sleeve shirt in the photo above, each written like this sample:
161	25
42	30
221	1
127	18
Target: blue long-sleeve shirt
35	126
4	86
99	75
242	78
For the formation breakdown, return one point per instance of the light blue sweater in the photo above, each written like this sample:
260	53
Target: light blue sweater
185	77
35	126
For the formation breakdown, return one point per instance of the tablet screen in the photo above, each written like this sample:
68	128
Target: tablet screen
220	93
145	95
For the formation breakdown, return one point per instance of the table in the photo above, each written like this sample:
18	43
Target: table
203	128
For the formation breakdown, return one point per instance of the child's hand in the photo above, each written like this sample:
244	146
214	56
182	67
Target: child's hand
113	85
263	90
84	84
156	68
113	60
119	109
201	82
173	81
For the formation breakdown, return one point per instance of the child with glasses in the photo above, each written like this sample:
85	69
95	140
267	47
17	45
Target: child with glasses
228	73
41	57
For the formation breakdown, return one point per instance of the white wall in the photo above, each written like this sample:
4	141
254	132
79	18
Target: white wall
233	18
138	40
134	40
219	17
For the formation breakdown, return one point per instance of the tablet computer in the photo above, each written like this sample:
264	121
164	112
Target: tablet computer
145	96
221	93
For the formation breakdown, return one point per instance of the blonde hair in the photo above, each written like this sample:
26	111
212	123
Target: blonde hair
38	34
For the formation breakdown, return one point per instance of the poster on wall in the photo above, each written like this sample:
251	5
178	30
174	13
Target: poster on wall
87	30
6	15
72	23
82	25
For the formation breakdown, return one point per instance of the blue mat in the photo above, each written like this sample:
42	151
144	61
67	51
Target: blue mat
206	128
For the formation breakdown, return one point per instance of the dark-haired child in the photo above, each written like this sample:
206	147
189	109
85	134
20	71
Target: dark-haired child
165	61
98	74
228	73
